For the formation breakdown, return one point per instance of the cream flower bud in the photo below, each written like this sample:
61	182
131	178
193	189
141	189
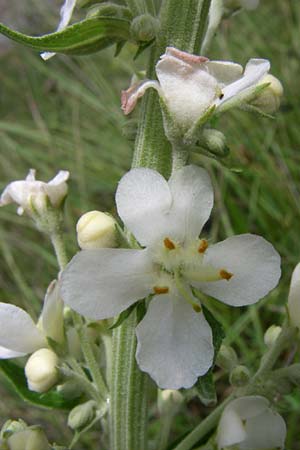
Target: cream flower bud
227	358
271	335
268	100
294	298
96	229
82	415
32	438
41	370
239	376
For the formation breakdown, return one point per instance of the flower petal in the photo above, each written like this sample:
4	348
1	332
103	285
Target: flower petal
224	71
255	266
174	343
61	177
294	298
18	332
5	353
65	17
255	70
193	198
130	97
51	318
102	283
143	199
231	430
266	431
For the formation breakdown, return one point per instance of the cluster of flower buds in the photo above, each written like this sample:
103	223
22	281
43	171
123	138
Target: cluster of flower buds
16	435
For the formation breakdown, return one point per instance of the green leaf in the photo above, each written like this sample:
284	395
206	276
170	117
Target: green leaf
123	316
82	38
52	399
217	330
205	388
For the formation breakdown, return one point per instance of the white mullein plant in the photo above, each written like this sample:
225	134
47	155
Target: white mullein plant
175	344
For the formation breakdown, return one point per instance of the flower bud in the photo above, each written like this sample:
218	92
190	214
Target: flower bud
82	415
214	141
41	370
268	100
32	438
239	376
271	335
144	28
294	298
227	358
96	229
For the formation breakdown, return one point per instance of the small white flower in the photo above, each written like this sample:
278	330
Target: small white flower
65	17
174	339
249	423
19	335
294	298
190	85
30	192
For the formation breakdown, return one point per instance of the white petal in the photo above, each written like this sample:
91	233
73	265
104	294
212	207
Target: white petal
130	97
294	298
265	431
255	266
231	430
5	353
249	407
174	343
65	17
193	198
31	175
102	283
188	89
61	177
143	199
51	319
18	331
224	71
255	70
215	15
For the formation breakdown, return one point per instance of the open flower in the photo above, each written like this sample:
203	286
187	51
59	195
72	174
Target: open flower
174	339
65	17
190	85
30	192
249	423
19	335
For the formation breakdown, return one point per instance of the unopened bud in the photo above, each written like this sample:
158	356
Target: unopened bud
144	28
41	370
268	100
33	438
109	9
82	415
214	141
239	376
227	358
271	335
96	229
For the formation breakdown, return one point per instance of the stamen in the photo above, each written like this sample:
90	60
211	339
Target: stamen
169	244
197	308
225	275
221	96
186	295
203	245
160	290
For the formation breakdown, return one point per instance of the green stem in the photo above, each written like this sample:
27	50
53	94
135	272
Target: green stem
128	403
59	248
89	357
204	427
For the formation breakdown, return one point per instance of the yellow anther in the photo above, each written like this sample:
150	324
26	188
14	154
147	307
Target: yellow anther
197	308
169	244
203	245
160	290
225	275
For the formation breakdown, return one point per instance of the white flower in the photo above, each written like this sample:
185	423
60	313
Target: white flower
30	192
190	84
19	335
251	424
174	339
294	298
65	17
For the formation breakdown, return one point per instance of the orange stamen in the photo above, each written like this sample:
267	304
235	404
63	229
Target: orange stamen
197	308
225	275
160	290
202	246
169	244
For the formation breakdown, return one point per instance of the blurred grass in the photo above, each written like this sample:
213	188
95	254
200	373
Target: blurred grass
65	114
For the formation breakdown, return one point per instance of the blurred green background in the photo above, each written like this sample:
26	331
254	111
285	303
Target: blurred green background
65	114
